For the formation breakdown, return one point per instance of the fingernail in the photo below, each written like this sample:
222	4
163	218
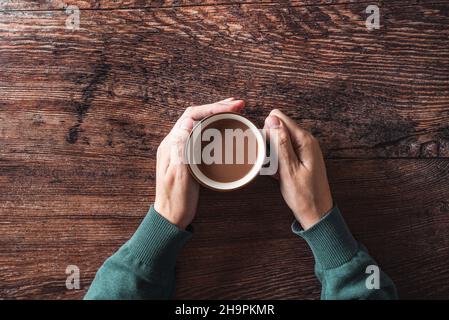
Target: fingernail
228	99
273	122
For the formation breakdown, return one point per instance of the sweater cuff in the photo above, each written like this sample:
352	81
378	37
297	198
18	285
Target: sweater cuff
157	242
331	241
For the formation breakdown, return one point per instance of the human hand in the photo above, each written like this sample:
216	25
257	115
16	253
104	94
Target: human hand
302	172
176	190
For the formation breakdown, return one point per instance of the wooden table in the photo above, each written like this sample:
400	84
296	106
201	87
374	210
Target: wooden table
83	111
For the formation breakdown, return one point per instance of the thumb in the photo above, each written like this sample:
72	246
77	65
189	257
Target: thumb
280	139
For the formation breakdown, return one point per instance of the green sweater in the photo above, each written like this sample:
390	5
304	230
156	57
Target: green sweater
144	267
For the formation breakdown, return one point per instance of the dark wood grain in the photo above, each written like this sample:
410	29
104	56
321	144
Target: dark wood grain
364	94
242	248
256	255
14	5
82	113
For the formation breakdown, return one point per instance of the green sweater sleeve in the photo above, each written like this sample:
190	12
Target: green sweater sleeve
343	266
144	267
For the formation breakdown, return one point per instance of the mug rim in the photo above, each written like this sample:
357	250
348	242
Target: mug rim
257	133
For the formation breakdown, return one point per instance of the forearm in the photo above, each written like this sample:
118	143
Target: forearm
341	262
144	267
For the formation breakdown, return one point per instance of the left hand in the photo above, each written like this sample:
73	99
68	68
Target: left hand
176	190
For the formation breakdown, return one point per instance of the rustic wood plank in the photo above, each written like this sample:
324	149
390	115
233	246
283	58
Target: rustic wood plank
364	94
64	223
140	4
82	112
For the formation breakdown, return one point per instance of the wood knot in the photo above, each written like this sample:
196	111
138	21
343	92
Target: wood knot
429	149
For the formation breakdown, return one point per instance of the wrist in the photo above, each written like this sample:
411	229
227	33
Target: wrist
157	243
179	219
311	215
331	241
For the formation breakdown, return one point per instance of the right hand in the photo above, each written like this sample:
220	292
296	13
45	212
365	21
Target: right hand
302	172
176	190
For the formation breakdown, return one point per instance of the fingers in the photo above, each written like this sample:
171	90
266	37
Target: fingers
304	144
178	140
187	124
295	130
286	157
181	130
227	105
